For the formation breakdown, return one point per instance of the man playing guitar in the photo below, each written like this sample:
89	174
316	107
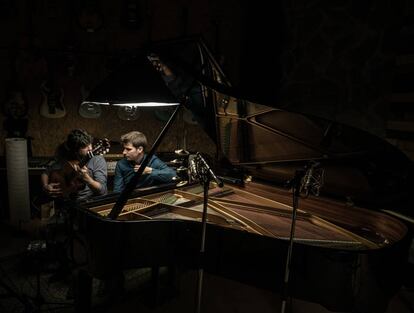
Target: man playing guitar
77	173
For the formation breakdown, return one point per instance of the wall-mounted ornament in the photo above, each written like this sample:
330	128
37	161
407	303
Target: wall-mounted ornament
128	112
15	109
88	109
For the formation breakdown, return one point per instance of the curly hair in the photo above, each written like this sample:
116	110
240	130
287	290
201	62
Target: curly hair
76	139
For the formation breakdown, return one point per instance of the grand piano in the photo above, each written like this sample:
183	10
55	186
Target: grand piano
350	250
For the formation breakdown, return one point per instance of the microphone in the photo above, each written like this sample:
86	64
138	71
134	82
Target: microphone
209	170
192	166
181	169
308	179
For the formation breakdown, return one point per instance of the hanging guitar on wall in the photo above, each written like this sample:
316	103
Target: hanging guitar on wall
52	100
52	105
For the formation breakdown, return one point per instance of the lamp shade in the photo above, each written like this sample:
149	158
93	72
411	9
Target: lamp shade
135	83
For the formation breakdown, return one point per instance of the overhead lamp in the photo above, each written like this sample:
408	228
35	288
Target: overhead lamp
135	83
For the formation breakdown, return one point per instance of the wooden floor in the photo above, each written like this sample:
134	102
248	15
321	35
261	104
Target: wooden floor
218	294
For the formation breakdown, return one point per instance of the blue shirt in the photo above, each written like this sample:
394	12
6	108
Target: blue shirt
124	171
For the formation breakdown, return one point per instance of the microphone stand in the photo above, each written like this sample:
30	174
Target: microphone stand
205	175
206	184
296	187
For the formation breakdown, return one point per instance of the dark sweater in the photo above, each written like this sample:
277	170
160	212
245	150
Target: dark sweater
124	171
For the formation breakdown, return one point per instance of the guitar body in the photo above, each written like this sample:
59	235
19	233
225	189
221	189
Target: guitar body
52	101
68	178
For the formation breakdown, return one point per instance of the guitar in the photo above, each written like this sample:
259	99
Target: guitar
52	100
68	178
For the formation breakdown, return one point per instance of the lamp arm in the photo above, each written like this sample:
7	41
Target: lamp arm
131	185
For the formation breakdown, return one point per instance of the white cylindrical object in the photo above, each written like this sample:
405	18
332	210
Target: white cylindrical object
18	180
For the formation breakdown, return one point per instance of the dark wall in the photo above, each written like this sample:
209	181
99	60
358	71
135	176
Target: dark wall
76	43
329	58
339	59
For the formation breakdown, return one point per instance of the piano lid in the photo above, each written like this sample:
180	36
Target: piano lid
270	144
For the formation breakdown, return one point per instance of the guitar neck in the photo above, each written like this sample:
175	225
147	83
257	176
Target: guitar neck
86	159
100	149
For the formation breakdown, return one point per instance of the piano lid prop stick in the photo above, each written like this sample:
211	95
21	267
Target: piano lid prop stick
130	187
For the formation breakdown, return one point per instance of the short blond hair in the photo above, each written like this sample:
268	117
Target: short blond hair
136	138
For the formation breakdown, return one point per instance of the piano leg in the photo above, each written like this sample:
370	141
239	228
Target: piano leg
83	291
155	285
163	284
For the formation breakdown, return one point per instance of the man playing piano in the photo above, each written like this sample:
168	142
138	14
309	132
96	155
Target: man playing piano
156	172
